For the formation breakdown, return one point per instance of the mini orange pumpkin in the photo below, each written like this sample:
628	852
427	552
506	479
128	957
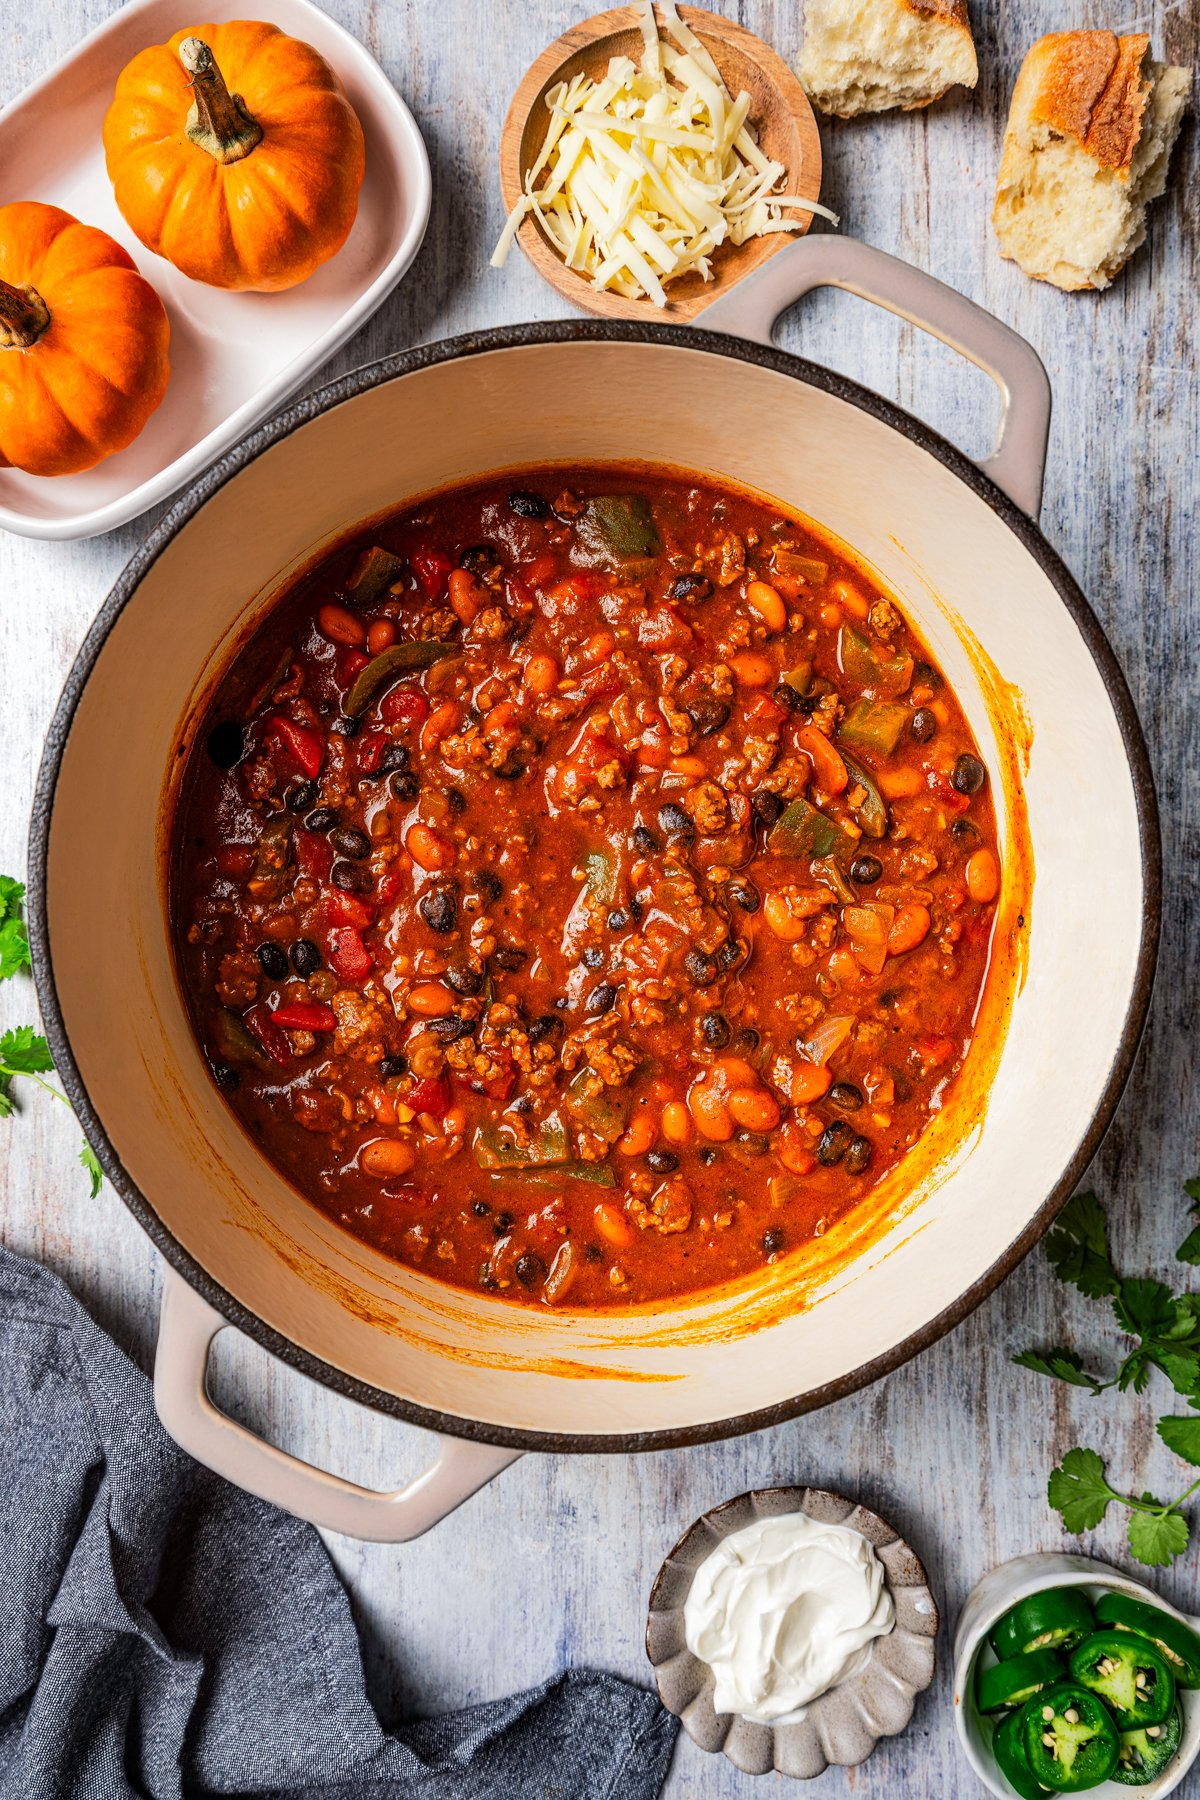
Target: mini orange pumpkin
234	152
83	343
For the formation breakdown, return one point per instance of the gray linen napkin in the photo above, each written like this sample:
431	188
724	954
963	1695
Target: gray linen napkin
163	1635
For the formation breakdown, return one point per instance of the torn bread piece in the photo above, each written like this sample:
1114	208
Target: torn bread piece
865	56
1090	130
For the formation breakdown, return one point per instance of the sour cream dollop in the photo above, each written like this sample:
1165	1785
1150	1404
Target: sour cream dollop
784	1610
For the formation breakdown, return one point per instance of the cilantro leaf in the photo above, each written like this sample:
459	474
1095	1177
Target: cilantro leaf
23	1052
1060	1365
1181	1368
88	1158
1078	1247
14	939
1079	1491
1182	1436
1189	1250
1192	1190
7	1104
12	893
1144	1309
1157	1538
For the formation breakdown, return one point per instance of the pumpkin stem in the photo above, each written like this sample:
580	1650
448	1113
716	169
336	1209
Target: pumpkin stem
218	121
24	316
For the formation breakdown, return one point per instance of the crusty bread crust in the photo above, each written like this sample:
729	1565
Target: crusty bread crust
1088	85
954	12
866	56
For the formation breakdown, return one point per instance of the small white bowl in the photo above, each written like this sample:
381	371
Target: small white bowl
993	1596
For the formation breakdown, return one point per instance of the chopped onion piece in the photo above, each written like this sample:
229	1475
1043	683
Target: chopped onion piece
828	1038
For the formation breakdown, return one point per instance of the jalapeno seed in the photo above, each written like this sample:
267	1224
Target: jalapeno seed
922	725
437	908
969	775
226	744
351	842
866	869
274	962
306	958
833	1143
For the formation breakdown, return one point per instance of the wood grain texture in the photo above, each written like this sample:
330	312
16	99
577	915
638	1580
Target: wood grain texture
780	115
552	1565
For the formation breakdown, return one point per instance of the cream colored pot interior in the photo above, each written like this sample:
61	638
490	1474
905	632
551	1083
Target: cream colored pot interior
949	557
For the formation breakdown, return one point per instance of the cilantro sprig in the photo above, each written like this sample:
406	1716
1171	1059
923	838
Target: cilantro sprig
1167	1329
24	1053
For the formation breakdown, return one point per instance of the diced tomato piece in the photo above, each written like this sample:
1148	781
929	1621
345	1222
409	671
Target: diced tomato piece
389	885
429	1096
349	663
348	955
572	590
305	1015
313	853
934	1050
432	570
948	795
593	750
348	909
599	684
765	711
404	706
499	1086
542	569
304	747
369	750
663	629
260	1022
235	860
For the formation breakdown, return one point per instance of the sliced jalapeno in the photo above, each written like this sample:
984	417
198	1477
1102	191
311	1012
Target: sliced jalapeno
1173	1639
1070	1739
1008	1748
1132	1678
1011	1683
1145	1753
1055	1619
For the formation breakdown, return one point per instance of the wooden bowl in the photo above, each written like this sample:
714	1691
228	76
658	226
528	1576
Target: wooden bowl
780	115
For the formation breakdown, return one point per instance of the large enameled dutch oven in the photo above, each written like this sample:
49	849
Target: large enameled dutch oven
1061	1017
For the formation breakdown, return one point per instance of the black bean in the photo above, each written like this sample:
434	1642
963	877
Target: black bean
845	1095
528	505
767	806
858	1155
530	1269
306	958
545	1026
592	1253
690	587
274	962
297	798
708	715
486	1278
464	980
351	842
753	1143
786	695
455	799
747	1040
922	725
449	1027
618	919
663	1162
833	1143
602	999
352	878
743	893
969	775
438	909
489	887
866	869
324	819
673	819
479	560
503	1221
405	786
510	772
392	1066
226	744
508	958
700	968
924	675
394	759
709	1155
644	840
773	1241
732	953
347	727
480	1208
637	907
963	829
715	1027
592	958
224	1076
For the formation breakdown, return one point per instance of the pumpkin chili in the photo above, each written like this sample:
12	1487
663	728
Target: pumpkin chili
583	885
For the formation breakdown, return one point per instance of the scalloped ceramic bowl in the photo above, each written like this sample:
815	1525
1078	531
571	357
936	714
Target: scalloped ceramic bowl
993	1596
843	1725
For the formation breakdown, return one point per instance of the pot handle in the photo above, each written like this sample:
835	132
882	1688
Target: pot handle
187	1326
754	307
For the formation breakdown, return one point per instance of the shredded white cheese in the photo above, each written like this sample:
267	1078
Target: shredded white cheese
645	173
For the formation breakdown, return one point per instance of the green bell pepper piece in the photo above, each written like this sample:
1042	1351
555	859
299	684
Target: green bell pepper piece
386	668
494	1150
235	1043
601	868
598	1174
868	667
874	725
871	812
804	831
617	527
374	570
605	1113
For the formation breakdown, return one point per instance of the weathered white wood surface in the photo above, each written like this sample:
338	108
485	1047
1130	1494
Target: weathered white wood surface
552	1565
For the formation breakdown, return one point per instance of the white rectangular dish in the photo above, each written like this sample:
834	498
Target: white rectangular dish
234	357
